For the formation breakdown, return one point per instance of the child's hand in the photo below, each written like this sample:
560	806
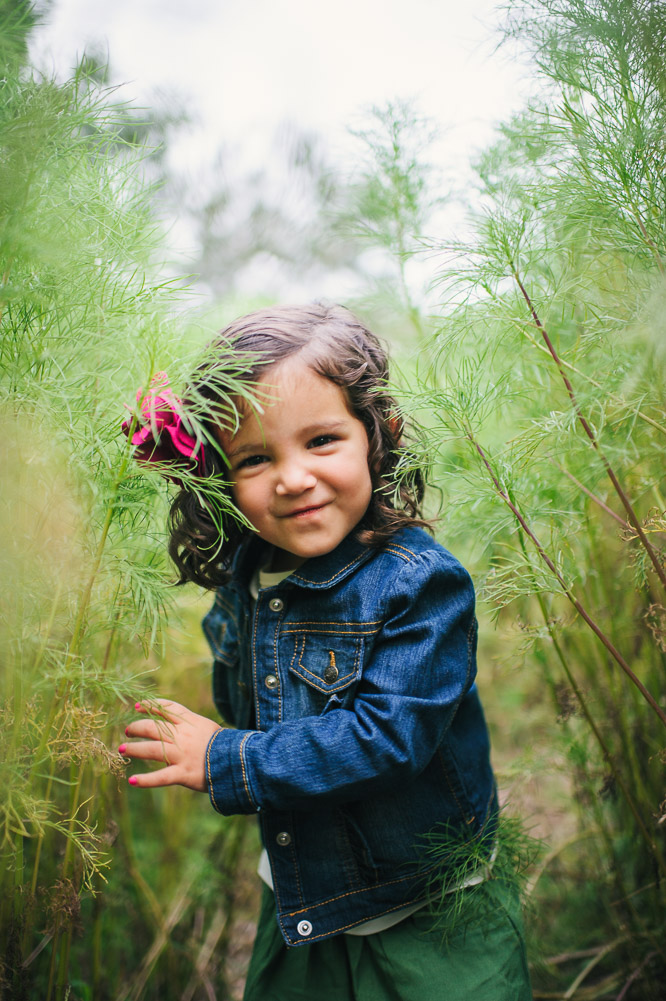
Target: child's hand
172	734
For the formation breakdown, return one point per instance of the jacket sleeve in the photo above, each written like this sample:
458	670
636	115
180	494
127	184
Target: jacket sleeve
422	664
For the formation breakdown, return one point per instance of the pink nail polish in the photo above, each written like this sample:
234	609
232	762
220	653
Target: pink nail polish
122	748
126	731
132	780
138	705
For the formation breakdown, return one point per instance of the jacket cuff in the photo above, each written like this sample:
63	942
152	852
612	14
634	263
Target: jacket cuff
226	772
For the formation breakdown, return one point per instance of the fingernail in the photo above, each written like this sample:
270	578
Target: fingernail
127	731
138	705
132	780
122	748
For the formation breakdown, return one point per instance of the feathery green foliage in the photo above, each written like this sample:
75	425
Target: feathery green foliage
85	586
547	421
540	398
539	389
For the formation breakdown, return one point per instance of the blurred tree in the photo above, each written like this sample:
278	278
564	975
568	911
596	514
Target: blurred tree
276	225
17	19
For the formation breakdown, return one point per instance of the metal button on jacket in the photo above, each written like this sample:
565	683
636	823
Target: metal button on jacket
331	674
304	928
271	681
283	839
276	604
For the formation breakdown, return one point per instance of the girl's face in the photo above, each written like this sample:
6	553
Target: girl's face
301	476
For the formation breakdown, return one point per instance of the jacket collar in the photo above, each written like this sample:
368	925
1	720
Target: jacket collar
317	573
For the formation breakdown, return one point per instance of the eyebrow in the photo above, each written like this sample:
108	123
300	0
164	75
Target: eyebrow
320	428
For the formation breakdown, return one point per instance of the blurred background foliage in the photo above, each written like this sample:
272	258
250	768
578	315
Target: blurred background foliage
530	356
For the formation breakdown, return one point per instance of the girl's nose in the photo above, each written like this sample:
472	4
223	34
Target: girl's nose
294	478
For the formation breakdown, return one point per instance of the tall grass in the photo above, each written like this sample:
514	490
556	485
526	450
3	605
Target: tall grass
539	388
541	404
97	895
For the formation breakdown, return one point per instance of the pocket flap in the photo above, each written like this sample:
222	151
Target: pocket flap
328	662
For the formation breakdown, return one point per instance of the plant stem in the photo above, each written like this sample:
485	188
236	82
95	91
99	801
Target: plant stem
52	965
179	905
617	656
626	503
607	756
583	375
40	839
605	750
597	500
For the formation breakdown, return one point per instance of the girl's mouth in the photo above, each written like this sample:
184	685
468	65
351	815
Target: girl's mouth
303	512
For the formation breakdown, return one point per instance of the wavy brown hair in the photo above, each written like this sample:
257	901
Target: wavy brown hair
337	346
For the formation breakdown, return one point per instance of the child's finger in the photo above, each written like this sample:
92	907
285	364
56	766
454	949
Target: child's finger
168	710
150	750
169	776
150	729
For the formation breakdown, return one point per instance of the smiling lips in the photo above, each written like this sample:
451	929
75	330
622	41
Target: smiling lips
303	511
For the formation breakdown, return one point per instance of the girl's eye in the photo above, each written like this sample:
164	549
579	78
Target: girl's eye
251	460
322	439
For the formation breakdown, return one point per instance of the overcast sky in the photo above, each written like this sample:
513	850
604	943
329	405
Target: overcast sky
242	67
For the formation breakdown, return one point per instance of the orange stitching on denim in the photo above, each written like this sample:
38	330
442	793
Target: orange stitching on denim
396	545
326	632
338	683
299	888
242	761
277	672
254	667
394	552
373	917
351	893
317	622
291	665
210	777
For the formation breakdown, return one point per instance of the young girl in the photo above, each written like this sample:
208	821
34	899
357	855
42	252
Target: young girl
344	640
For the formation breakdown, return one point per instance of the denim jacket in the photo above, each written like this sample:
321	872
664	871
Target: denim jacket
358	728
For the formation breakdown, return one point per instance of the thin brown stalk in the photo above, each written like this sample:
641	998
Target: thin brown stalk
626	503
597	500
568	957
605	750
587	969
608	758
179	905
39	948
584	375
615	654
206	953
635	975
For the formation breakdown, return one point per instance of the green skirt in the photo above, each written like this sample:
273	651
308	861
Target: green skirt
482	959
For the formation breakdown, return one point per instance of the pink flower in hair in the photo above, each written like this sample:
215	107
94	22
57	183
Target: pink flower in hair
162	436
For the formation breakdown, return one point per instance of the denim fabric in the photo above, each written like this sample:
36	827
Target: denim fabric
358	725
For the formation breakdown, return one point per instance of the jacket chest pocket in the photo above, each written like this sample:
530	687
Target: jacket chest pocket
328	664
